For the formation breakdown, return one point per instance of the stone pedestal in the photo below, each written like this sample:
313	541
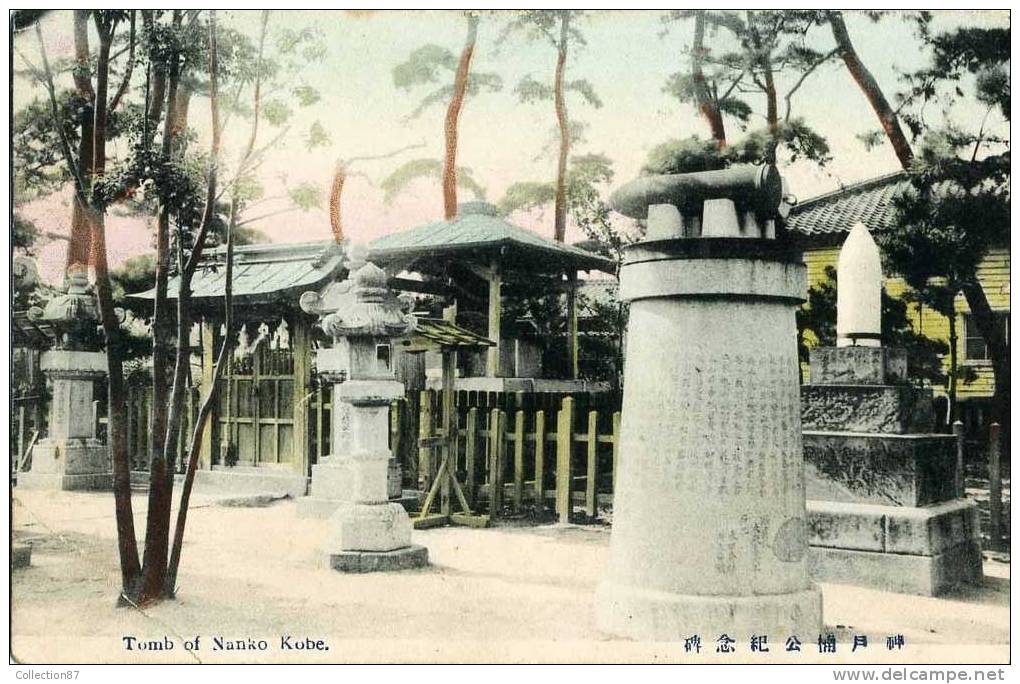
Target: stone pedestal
709	527
367	530
332	478
882	505
70	457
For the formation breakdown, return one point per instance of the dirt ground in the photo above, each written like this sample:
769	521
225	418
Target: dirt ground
506	594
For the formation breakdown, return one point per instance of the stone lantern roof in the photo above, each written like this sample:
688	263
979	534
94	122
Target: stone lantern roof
74	315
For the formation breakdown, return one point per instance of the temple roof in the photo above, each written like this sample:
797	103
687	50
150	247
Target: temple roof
479	230
264	271
36	334
835	213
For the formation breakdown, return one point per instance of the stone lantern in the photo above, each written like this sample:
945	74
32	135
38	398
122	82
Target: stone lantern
368	532
70	456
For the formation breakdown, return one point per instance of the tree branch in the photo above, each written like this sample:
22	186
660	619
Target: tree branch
129	69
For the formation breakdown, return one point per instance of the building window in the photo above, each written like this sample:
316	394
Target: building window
974	347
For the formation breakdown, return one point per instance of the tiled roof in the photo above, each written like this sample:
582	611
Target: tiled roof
447	334
834	213
262	271
478	226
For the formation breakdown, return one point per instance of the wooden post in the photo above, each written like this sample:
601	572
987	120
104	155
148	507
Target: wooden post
960	484
497	438
591	475
994	488
299	345
572	348
518	461
539	459
564	440
616	450
495	325
449	428
471	456
424	432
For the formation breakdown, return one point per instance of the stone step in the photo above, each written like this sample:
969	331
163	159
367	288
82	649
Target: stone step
894	409
896	470
920	531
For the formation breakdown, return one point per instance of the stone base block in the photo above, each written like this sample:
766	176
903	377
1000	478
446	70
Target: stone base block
858	366
21	555
651	615
894	409
896	470
908	574
250	480
317	507
924	531
368	527
380	561
87	481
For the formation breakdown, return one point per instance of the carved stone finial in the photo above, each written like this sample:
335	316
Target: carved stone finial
74	315
372	310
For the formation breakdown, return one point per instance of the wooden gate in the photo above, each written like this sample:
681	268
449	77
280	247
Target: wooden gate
256	414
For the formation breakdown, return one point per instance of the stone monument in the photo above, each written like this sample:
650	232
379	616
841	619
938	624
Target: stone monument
368	532
709	529
70	456
883	509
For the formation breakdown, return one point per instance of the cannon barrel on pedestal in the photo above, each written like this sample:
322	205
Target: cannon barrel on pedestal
751	188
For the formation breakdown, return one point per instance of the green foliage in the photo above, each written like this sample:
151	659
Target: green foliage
427	64
694	154
432	64
529	90
306	196
24	234
317	136
417	169
276	112
35	142
816	327
306	95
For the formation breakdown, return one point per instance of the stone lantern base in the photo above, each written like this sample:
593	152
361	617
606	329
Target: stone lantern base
68	465
70	457
371	537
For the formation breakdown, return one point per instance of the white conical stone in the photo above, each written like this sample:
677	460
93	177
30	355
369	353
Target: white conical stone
859	290
720	219
664	222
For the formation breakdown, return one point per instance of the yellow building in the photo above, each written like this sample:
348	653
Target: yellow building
820	225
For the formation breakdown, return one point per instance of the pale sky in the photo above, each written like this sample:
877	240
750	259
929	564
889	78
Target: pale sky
502	141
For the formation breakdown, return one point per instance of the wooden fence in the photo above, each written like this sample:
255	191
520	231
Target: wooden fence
516	453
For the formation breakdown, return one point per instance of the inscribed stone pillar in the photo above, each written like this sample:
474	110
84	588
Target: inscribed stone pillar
709	526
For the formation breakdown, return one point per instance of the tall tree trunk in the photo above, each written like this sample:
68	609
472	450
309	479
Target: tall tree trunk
869	86
79	248
116	431
157	526
763	58
559	101
335	195
211	391
90	220
707	105
452	124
